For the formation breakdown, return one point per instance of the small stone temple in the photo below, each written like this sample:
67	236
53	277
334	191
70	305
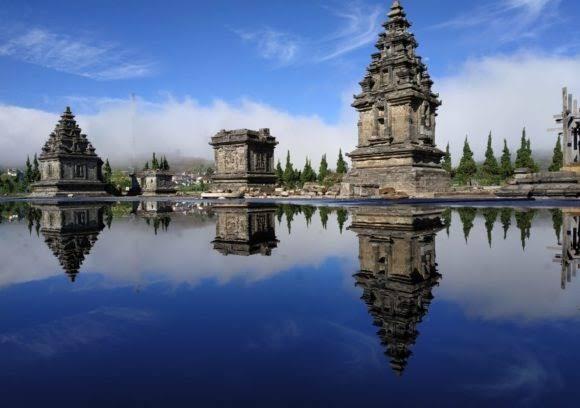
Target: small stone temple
71	231
397	111
398	271
244	160
68	163
245	229
157	182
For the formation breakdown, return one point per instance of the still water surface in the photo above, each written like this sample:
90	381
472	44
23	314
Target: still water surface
191	304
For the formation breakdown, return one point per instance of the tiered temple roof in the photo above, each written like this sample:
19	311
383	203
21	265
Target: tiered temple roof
67	138
396	67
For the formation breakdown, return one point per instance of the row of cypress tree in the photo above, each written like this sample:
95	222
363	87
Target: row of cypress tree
291	177
491	171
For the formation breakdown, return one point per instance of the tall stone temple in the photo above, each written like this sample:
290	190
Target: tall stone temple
244	160
397	272
397	111
245	229
71	231
68	163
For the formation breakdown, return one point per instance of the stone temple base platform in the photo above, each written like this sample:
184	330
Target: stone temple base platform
410	180
67	188
543	184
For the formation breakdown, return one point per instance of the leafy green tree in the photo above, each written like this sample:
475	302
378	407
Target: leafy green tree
467	216
322	169
28	175
154	162
506	220
341	217
289	173
279	173
107	172
446	164
558	157
36	169
490	171
490	216
506	167
146	167
341	166
467	167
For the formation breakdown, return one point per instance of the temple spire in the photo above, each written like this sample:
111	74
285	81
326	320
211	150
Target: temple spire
397	18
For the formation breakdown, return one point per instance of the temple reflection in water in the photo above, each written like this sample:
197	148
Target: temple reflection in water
245	229
71	231
397	272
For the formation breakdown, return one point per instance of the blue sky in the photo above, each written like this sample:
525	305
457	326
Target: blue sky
299	61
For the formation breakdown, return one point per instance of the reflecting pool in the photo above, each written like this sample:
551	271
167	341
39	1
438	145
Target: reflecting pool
154	303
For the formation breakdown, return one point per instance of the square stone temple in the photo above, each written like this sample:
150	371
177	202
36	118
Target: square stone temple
244	160
68	163
396	129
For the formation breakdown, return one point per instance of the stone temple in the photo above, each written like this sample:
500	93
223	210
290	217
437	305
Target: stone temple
68	163
244	160
398	272
396	129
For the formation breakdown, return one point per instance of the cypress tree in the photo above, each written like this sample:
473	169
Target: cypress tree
467	217
447	166
279	173
521	160
107	172
323	169
506	167
557	221
341	217
446	217
28	172
289	173
558	157
154	163
324	211
36	169
531	162
490	169
506	220
146	167
490	215
467	167
341	166
524	223
310	175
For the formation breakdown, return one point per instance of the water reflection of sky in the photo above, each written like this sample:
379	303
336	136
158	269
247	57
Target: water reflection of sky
166	318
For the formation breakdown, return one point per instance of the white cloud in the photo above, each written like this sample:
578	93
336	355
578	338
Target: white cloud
122	129
71	55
